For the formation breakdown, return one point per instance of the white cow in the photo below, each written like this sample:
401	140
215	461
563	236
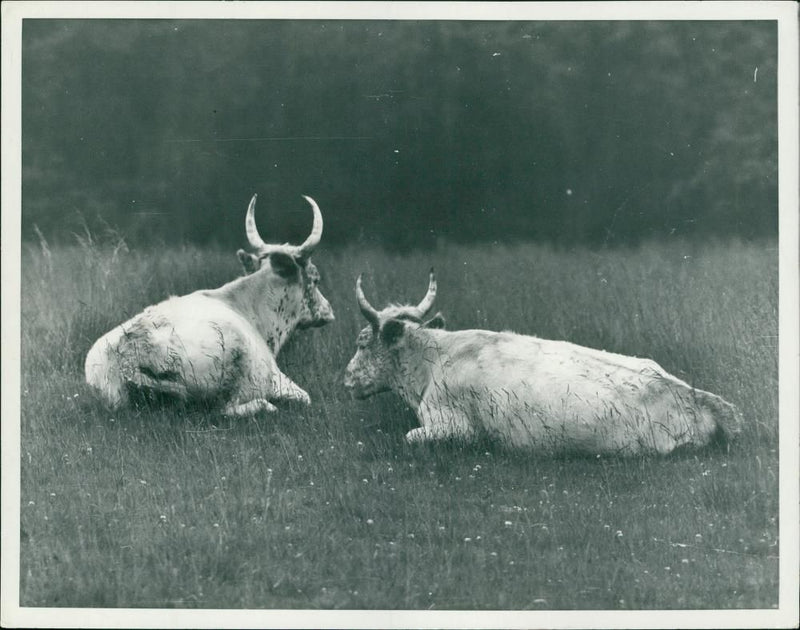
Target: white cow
219	345
528	392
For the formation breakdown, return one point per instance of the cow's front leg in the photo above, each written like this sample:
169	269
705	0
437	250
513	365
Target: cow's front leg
285	388
249	408
440	423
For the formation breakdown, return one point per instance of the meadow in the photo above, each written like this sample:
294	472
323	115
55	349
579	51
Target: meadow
327	507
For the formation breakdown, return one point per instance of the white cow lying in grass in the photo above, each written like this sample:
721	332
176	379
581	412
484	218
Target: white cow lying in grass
219	345
528	392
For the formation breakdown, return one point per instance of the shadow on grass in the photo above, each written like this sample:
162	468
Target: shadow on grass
155	415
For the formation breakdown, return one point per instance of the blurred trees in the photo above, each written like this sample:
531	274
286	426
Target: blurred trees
404	132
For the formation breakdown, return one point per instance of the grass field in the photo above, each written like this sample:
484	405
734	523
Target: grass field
327	507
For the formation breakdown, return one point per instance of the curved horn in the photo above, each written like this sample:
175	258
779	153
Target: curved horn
304	250
367	310
250	226
427	302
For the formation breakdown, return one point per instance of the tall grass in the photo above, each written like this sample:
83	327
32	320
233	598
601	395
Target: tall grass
327	507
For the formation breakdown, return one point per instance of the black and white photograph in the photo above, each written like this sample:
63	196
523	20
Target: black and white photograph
400	315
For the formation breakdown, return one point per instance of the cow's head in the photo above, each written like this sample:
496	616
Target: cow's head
374	367
291	267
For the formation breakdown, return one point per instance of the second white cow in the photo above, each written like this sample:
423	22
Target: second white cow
218	346
553	396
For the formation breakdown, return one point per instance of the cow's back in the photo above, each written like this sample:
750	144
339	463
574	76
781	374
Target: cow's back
556	395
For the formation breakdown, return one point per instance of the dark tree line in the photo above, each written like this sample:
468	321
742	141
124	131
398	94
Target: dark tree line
404	132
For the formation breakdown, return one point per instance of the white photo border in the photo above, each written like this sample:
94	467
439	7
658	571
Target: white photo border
786	16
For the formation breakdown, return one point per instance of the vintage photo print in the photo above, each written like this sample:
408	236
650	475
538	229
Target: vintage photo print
400	315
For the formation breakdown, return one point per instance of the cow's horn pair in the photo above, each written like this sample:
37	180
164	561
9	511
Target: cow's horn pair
420	310
301	251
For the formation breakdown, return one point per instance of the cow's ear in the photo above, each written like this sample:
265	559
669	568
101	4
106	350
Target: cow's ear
249	261
284	265
391	331
437	321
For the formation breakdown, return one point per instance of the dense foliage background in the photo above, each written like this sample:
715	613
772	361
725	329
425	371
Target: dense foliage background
405	132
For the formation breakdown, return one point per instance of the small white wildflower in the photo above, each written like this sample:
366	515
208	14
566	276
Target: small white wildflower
370	521
467	539
618	533
508	523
